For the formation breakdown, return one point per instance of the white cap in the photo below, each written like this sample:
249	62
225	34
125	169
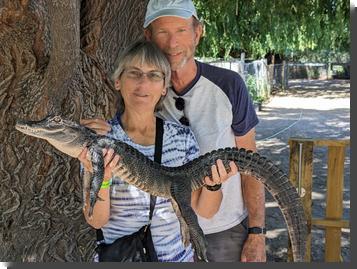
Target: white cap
161	8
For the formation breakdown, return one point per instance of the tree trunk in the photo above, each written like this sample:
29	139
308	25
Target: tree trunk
56	56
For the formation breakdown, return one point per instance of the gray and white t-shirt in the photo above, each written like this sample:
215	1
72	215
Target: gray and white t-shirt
218	107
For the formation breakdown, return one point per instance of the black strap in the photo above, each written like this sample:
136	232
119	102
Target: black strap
157	158
158	139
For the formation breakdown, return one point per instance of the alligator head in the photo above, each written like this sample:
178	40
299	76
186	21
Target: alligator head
66	136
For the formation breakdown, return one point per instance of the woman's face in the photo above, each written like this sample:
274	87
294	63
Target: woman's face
141	86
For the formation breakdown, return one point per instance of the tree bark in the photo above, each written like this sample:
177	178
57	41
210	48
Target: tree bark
56	56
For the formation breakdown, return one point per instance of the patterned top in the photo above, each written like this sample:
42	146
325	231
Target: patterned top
130	207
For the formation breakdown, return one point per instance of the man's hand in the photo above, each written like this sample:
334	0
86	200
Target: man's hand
219	173
110	161
100	126
254	249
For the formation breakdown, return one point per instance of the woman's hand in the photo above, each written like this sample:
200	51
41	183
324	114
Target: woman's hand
206	202
219	173
110	161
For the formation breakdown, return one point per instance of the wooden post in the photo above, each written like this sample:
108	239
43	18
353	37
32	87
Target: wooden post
305	171
285	75
333	221
334	201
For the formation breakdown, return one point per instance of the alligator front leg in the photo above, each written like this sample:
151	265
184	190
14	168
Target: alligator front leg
97	160
181	193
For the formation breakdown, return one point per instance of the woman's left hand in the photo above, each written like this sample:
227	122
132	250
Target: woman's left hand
219	173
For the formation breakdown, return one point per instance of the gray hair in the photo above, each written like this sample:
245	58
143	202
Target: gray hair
145	52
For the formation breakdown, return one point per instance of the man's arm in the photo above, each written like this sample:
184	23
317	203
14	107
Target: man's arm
254	199
100	126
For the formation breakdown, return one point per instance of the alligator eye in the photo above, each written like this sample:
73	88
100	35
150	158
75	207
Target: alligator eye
57	119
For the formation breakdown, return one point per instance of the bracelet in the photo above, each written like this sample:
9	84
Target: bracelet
106	184
214	187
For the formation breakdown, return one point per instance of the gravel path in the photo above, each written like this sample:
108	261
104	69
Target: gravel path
309	109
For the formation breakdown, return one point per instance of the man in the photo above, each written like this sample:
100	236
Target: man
215	103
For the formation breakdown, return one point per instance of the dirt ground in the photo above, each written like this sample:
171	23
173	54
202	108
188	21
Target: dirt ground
309	109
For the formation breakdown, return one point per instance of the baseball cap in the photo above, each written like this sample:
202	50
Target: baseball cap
177	8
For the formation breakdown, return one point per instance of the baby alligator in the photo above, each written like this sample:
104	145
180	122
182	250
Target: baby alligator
175	183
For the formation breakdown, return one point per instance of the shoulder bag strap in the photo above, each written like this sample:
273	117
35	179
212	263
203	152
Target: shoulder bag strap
157	157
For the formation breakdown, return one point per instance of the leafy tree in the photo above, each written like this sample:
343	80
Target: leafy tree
281	27
55	57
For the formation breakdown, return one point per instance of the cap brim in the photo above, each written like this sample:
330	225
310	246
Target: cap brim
169	12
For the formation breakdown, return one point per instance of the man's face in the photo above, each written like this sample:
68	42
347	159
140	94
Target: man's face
177	38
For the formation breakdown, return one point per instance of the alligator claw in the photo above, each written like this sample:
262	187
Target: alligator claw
199	245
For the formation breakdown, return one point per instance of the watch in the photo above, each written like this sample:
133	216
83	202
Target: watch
257	230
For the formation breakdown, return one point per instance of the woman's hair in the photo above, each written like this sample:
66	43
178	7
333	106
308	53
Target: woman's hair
142	52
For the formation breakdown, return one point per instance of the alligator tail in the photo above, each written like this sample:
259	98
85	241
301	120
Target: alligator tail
275	181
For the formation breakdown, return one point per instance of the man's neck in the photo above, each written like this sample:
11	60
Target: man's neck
182	77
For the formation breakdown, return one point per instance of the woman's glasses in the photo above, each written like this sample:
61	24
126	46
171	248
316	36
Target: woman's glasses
137	74
180	105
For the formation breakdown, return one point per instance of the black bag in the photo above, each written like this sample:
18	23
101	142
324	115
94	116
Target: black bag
138	246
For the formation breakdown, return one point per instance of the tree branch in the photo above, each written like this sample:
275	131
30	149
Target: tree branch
103	33
64	16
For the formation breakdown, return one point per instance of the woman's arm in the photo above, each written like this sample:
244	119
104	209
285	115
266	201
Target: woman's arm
101	210
205	202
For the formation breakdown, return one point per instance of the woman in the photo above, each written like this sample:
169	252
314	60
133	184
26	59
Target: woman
142	76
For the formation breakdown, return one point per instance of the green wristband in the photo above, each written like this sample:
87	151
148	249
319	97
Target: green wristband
106	184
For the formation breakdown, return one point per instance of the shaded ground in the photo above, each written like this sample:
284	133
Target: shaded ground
309	109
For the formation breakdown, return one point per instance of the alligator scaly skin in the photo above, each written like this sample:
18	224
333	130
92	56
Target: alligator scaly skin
176	183
170	182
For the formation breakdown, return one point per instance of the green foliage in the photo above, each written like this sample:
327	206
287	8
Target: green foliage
252	86
279	26
258	88
257	91
323	56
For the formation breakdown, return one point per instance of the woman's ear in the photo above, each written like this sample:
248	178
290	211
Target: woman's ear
117	84
164	92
